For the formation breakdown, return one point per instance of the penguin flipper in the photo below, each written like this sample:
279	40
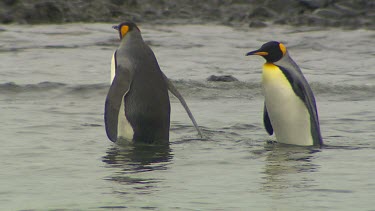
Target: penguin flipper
267	121
177	94
119	87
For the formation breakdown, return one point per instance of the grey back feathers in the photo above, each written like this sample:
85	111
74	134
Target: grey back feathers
147	102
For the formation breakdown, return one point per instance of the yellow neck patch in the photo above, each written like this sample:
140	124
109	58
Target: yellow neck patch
282	48
124	29
270	71
272	74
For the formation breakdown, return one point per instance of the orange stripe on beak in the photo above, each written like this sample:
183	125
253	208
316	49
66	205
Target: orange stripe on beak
262	53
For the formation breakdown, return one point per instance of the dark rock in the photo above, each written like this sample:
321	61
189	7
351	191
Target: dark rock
236	13
328	13
118	2
150	12
236	17
283	7
271	142
254	13
347	10
261	13
310	20
281	21
222	78
315	4
257	24
116	12
166	12
6	18
10	2
44	12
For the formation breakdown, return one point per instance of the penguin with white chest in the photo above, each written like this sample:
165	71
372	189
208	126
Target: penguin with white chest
290	108
137	107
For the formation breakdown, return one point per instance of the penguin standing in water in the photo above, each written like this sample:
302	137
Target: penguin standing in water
137	107
290	108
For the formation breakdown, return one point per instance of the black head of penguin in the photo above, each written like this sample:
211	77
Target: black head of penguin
125	27
272	51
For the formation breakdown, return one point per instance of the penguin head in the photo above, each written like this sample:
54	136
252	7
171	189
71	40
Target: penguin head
272	51
125	27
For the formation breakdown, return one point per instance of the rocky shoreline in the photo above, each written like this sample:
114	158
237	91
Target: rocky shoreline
349	14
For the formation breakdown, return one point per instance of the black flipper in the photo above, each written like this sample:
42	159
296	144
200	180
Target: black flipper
267	121
119	87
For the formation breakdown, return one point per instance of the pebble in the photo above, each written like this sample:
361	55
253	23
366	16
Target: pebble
222	78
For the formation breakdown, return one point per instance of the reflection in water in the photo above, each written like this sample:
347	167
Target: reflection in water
133	160
285	166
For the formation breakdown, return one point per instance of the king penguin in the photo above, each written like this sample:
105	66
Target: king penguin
137	107
290	108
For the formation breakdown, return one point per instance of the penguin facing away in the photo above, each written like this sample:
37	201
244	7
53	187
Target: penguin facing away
290	108
137	107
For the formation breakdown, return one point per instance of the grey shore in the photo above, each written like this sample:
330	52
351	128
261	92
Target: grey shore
349	14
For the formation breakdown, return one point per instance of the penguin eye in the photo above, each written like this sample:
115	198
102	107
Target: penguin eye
282	48
124	29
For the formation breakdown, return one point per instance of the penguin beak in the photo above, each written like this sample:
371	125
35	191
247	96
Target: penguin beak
115	27
257	52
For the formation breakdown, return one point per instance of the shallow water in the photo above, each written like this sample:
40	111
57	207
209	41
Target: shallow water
55	155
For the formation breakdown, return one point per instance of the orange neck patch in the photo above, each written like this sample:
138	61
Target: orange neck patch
282	48
124	29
